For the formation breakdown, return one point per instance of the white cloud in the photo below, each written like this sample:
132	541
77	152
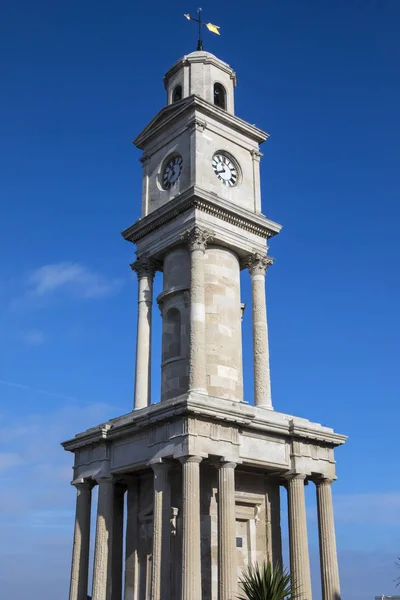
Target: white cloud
73	278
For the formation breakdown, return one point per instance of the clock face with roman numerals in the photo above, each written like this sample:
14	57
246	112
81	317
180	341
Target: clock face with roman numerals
171	172
225	169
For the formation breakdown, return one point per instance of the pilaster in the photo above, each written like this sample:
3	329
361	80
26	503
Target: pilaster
274	534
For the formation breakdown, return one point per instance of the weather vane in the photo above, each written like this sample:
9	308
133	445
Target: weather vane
210	27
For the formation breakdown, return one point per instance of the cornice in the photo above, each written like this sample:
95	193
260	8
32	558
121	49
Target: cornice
195	198
205	58
196	406
171	113
94	435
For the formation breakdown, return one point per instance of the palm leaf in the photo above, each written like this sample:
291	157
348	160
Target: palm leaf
264	582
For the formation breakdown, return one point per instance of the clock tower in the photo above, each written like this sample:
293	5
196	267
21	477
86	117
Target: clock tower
198	475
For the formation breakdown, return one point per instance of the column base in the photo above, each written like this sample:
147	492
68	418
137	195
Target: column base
198	391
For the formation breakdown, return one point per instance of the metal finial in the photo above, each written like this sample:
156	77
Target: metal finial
210	27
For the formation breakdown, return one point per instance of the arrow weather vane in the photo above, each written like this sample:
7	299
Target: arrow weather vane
210	27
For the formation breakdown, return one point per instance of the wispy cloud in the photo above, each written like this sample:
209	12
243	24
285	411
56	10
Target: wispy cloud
74	278
28	388
8	460
42	467
379	508
34	337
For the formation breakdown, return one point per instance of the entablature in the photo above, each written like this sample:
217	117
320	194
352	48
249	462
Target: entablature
194	424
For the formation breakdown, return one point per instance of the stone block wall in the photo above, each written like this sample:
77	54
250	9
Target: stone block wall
223	323
175	310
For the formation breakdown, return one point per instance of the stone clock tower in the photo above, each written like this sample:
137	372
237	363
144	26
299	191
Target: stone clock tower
193	482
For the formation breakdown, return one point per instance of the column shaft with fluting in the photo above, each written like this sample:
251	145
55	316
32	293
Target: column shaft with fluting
257	265
191	556
298	539
327	542
197	240
131	542
103	546
145	269
80	552
227	571
160	584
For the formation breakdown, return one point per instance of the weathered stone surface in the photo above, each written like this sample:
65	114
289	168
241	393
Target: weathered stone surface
160	584
194	522
327	541
227	532
191	562
80	552
102	553
298	538
145	269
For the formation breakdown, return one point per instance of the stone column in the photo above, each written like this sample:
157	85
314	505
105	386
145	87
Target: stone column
131	543
80	553
258	265
145	270
191	556
160	584
102	551
117	542
327	542
197	240
298	539
227	571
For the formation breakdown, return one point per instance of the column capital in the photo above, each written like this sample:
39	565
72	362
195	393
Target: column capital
227	464
190	459
144	267
257	264
104	479
83	484
197	125
322	480
295	476
197	238
256	155
145	158
160	465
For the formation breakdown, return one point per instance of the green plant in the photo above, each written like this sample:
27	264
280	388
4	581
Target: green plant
265	582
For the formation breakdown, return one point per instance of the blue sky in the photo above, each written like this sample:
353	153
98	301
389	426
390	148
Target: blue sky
78	81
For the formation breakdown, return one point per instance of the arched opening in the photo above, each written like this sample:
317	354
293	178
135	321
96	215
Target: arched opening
219	96
171	347
177	93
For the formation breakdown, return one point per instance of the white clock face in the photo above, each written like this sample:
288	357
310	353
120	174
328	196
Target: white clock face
224	169
172	170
